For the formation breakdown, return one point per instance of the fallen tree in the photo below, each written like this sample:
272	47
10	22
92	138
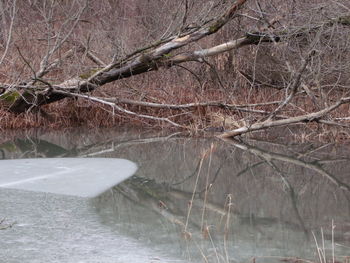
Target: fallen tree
144	60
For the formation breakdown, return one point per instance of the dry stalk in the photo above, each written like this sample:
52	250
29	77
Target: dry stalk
185	231
227	226
204	227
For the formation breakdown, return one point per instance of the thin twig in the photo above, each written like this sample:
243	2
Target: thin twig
115	106
294	86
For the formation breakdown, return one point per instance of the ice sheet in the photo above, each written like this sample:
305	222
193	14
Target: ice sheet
84	177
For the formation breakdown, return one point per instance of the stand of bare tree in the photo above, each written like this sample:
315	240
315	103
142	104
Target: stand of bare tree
231	66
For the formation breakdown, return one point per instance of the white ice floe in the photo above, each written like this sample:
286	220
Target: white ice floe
84	177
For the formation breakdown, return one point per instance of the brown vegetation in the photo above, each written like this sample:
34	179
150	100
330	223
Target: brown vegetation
227	66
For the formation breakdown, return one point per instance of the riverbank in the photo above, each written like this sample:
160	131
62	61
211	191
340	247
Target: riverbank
202	121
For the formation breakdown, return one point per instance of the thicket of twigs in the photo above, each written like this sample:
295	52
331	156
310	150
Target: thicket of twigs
293	65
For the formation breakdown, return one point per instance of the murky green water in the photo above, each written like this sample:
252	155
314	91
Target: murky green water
192	200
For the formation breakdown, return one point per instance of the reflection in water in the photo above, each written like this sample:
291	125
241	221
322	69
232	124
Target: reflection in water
54	228
216	200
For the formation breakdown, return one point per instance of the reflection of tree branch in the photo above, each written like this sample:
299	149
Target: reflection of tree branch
315	166
150	202
180	194
311	150
195	172
189	176
249	167
31	147
307	152
84	152
37	147
292	194
163	199
156	197
213	180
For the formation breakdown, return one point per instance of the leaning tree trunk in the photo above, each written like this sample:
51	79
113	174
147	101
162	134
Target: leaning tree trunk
22	98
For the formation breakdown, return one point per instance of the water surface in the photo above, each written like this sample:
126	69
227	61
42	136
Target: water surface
191	200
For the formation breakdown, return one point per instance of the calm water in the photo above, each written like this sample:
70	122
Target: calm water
192	200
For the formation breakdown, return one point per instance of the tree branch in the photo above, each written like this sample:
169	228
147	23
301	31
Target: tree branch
298	119
118	108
